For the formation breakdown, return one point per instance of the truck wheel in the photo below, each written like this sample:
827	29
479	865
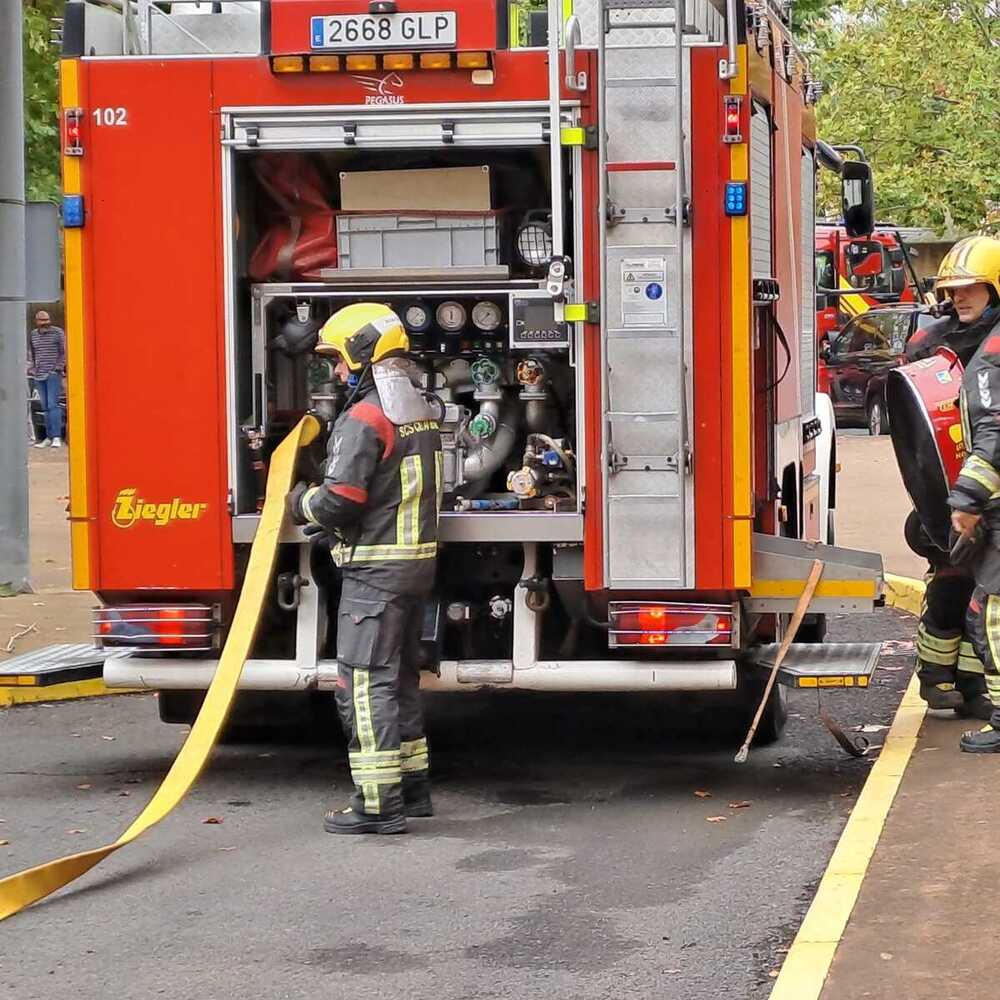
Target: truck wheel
750	688
877	423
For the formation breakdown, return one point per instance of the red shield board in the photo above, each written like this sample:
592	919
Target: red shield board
926	428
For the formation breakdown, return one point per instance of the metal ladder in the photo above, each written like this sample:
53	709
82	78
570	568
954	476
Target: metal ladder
647	454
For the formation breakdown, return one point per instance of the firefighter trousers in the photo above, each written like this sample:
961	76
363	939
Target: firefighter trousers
983	627
378	694
946	654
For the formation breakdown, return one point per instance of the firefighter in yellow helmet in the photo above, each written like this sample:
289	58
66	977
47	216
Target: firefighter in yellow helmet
970	276
950	671
379	504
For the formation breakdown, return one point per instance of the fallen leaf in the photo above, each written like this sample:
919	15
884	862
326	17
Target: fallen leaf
76	831
4	843
885	955
702	794
213	820
773	974
108	738
84	786
38	604
742	804
715	819
124	794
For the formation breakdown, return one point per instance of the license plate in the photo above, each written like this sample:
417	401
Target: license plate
385	31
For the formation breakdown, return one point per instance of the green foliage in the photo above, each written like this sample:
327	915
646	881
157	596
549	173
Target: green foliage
916	83
41	118
807	14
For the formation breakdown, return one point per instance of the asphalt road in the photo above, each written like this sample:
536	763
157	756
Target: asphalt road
570	857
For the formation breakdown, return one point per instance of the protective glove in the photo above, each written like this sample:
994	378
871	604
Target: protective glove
965	548
293	503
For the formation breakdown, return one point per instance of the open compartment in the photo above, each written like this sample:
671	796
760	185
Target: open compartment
458	242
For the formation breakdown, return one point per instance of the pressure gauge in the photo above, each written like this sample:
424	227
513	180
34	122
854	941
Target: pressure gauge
486	316
417	317
451	316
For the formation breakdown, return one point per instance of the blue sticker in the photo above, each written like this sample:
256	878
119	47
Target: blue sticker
654	290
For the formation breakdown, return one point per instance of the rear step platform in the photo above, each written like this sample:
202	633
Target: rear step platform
830	665
56	664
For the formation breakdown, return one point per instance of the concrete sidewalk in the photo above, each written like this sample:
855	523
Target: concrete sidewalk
57	612
920	927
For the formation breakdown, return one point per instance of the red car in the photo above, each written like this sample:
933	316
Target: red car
858	358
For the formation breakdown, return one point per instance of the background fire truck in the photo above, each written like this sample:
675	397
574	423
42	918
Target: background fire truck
602	249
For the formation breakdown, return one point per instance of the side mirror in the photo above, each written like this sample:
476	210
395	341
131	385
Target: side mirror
858	197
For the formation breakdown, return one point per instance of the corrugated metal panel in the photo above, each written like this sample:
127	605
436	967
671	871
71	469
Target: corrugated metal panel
760	192
807	348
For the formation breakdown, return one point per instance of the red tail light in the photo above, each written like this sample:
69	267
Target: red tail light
664	624
157	626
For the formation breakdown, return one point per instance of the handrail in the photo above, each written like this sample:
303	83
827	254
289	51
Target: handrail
729	68
555	128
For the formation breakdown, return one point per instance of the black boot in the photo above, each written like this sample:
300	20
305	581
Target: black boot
349	821
937	688
986	740
417	797
976	702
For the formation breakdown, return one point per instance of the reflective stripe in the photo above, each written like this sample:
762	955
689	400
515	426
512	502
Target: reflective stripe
992	624
939	659
982	472
306	501
438	480
366	736
411	485
414	754
344	555
931	641
963	409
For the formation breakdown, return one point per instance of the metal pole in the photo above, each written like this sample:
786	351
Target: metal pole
13	383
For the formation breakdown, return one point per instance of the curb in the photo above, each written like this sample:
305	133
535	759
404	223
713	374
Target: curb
28	695
804	971
904	593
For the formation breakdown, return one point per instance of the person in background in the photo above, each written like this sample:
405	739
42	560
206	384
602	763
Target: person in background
47	353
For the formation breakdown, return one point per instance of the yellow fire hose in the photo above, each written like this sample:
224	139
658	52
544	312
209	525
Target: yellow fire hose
24	888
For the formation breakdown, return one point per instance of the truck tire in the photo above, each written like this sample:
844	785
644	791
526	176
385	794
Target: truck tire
750	689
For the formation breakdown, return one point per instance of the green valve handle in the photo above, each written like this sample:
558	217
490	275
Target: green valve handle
482	426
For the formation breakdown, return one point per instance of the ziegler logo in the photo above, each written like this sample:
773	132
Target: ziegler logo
130	508
382	89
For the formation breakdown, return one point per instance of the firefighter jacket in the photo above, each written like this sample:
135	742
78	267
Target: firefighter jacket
949	332
380	498
977	488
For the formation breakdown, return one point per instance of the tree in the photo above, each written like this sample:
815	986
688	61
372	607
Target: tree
41	117
916	83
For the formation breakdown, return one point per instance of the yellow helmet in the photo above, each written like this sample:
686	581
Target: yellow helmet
362	334
972	261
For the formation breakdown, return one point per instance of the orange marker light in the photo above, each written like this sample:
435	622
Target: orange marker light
472	60
288	64
361	62
397	60
435	60
324	64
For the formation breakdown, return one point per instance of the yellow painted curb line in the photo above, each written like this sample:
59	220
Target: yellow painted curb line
59	692
804	971
904	593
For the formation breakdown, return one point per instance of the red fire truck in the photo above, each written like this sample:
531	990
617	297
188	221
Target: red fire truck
601	244
854	274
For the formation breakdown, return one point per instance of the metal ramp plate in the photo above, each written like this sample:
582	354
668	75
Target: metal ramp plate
56	664
826	665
